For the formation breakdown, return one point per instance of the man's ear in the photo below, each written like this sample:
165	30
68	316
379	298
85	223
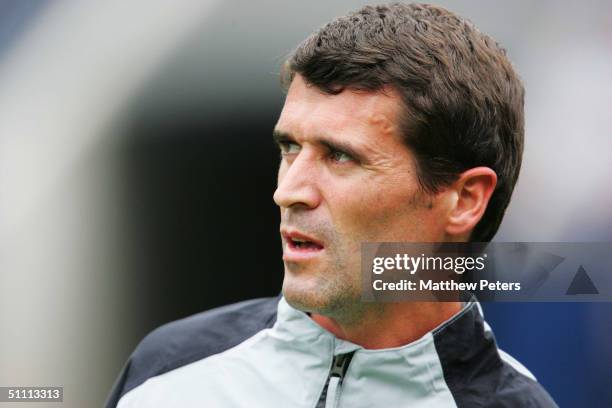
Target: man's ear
473	190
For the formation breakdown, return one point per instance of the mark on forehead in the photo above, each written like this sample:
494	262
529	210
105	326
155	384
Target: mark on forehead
383	121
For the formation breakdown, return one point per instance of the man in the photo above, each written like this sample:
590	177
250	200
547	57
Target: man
401	123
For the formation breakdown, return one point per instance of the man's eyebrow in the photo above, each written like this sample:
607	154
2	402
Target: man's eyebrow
332	145
279	137
337	146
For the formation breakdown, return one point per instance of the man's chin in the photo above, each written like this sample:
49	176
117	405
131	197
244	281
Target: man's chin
320	299
304	299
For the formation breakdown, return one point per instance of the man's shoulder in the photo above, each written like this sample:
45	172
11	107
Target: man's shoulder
515	388
208	332
504	382
499	381
193	338
477	372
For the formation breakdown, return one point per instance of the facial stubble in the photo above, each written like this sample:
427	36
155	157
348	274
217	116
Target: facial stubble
336	292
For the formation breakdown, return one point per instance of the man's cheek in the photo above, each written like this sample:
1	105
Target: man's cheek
358	225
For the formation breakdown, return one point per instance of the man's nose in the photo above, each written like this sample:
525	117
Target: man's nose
297	183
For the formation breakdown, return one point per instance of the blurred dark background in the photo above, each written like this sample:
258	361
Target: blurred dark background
137	171
198	194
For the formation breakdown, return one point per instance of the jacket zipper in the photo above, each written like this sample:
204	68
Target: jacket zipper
331	392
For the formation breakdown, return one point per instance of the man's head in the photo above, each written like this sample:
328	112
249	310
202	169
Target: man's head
401	123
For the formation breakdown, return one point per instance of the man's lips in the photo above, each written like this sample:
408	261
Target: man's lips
300	246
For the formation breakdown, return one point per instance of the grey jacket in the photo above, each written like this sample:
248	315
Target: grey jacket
264	353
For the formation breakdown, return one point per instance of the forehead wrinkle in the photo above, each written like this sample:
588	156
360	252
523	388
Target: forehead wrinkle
350	112
373	114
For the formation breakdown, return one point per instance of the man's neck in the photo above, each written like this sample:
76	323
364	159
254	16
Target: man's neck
393	325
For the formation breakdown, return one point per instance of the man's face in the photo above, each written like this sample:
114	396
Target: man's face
345	177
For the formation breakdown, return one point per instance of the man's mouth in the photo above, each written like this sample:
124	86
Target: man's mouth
304	245
300	246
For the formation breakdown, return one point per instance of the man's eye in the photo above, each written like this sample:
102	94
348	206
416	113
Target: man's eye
289	148
340	157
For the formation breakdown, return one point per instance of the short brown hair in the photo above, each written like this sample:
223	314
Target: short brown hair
464	101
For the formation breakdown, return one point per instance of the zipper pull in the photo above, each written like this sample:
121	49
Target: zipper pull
336	375
340	364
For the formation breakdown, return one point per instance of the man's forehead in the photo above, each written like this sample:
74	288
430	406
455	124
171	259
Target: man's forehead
306	104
